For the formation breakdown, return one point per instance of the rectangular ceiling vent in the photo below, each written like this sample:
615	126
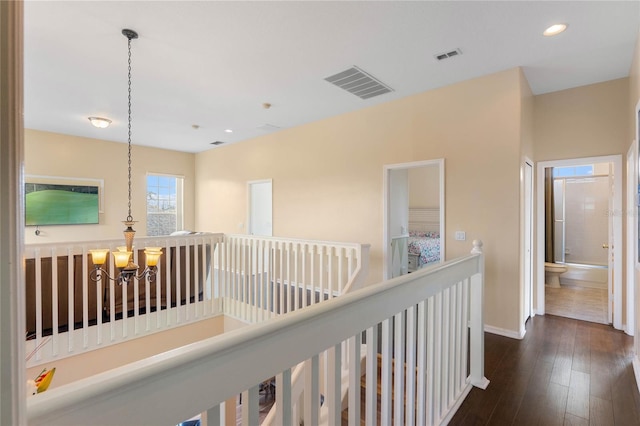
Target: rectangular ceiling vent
359	83
447	55
217	143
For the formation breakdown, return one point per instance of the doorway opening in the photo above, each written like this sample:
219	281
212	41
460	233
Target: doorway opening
413	216
260	208
579	262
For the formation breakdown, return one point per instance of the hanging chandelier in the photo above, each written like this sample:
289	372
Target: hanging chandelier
123	257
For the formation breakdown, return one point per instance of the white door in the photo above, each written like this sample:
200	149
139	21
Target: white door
528	242
260	221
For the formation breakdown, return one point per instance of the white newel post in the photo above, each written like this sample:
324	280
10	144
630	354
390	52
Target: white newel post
476	316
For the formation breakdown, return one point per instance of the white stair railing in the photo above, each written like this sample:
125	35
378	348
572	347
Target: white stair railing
438	310
261	277
199	276
68	313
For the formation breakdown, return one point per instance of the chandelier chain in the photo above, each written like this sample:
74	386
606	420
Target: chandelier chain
129	217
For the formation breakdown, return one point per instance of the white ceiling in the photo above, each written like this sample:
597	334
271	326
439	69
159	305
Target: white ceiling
215	63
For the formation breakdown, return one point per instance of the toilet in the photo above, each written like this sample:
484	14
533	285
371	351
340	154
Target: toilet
552	273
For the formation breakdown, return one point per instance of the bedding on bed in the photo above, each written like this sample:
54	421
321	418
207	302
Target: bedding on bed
426	245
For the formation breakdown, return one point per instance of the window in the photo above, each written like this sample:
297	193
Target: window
164	204
586	170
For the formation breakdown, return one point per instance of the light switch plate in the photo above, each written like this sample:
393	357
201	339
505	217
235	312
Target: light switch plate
460	236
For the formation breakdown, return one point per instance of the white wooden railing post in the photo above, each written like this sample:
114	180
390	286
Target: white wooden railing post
476	316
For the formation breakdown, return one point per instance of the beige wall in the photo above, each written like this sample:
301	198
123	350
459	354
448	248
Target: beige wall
424	187
327	176
586	121
53	154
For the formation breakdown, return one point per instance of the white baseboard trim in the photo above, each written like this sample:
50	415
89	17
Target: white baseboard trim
504	332
636	370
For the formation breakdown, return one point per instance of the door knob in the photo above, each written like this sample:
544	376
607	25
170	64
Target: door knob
605	246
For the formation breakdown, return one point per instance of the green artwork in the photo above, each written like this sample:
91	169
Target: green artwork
47	204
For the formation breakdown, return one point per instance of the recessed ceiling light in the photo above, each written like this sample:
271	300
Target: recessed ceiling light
555	29
100	122
228	130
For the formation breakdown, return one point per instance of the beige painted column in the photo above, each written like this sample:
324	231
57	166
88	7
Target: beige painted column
12	378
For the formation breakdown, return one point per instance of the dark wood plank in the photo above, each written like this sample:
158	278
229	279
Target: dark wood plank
571	420
600	412
533	402
582	351
555	405
578	398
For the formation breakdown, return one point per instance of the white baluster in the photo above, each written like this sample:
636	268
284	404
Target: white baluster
251	407
283	398
410	367
398	358
371	389
55	302
437	359
421	391
385	378
311	394
355	344
431	365
445	350
334	386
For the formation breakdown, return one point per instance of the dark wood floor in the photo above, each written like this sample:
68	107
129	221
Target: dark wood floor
564	372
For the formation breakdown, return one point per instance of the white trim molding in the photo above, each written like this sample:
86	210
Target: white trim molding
386	243
504	332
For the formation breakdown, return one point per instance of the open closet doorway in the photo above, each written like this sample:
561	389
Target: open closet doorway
413	216
260	212
579	239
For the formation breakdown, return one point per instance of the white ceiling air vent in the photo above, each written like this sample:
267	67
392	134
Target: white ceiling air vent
447	55
217	143
359	83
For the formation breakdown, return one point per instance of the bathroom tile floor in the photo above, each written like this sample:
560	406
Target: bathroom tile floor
582	303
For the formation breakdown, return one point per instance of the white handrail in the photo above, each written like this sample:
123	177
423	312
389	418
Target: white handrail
249	277
211	371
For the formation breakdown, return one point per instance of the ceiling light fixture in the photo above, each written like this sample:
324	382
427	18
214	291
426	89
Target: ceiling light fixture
124	256
228	131
555	29
100	122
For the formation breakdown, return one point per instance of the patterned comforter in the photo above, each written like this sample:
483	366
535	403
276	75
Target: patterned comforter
426	245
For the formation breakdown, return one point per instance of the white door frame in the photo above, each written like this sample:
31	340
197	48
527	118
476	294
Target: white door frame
616	286
632	235
249	186
527	249
386	242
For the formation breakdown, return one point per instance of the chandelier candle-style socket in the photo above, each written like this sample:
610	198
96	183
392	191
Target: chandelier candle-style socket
123	257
